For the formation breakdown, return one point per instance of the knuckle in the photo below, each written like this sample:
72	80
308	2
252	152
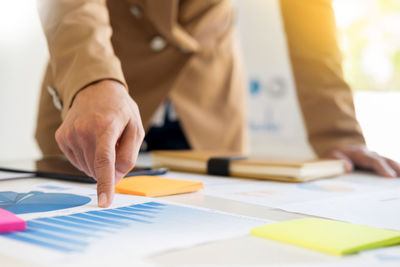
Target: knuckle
81	128
104	185
102	121
58	135
69	136
126	162
376	156
364	152
101	161
334	154
135	106
363	156
141	133
378	163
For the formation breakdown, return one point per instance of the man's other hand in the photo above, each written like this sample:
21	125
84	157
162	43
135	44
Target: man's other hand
360	156
101	135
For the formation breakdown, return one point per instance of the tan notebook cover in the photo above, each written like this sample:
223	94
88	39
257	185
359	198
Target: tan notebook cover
247	167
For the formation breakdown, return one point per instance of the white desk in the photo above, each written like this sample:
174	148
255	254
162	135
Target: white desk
239	251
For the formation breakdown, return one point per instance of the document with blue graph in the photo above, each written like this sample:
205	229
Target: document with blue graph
64	223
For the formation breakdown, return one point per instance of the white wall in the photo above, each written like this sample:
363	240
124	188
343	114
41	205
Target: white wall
378	114
275	121
23	54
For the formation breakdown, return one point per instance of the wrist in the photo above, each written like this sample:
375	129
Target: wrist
97	87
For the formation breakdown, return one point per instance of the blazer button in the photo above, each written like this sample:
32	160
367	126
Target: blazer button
136	11
158	44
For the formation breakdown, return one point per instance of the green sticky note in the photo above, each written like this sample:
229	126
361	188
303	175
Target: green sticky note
333	237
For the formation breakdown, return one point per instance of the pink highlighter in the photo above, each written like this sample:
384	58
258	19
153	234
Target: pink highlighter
9	222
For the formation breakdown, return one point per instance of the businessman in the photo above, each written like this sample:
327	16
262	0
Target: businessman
114	63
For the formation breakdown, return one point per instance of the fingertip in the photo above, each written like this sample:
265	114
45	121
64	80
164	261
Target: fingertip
395	166
389	174
102	200
348	166
382	167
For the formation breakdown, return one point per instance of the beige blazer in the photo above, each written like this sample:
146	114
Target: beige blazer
186	51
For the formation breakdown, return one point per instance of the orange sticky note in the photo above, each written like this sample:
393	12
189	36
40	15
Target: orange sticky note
153	186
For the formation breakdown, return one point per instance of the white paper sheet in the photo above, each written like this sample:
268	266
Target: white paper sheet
379	209
387	257
68	226
274	194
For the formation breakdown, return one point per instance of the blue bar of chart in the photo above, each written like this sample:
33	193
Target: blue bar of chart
141	228
73	233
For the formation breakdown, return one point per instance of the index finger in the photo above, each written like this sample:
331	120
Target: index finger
104	168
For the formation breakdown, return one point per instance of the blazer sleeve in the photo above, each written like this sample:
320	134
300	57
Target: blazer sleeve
325	98
78	35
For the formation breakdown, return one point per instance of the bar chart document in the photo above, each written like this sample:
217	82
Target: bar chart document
64	224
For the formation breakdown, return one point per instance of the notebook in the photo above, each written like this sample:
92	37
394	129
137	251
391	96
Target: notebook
153	186
228	164
333	237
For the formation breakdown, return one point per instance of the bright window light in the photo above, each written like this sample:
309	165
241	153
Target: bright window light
370	40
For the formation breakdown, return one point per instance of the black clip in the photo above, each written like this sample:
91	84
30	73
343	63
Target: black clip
220	165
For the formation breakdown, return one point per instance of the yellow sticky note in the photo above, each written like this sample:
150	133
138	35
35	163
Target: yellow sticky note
333	237
153	186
